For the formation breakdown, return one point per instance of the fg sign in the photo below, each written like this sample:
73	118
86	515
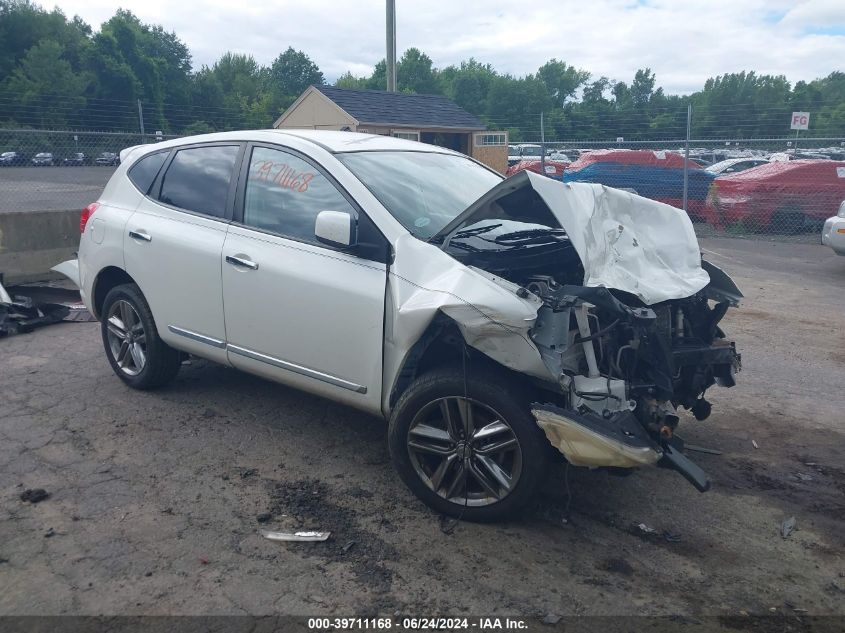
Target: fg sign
800	121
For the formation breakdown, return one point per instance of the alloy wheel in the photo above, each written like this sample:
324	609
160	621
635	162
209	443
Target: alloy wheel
464	451
127	338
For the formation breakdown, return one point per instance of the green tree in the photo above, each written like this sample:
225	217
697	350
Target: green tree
290	74
562	81
47	88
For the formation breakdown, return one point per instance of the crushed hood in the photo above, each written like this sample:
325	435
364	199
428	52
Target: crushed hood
625	241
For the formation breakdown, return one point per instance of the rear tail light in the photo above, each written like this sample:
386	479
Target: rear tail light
87	212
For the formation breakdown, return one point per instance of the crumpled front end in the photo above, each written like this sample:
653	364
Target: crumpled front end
626	316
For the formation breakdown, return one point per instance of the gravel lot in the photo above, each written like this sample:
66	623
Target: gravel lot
156	499
51	188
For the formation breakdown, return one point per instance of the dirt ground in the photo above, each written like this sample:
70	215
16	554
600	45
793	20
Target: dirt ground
156	499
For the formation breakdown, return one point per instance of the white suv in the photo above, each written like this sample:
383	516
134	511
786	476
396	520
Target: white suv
488	320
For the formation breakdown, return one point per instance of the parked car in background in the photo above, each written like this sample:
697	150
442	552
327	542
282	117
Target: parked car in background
9	159
523	151
108	159
482	318
658	175
43	159
833	232
549	167
784	196
76	160
734	165
559	156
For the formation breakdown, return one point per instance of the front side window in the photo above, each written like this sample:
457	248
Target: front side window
145	170
284	194
198	179
424	191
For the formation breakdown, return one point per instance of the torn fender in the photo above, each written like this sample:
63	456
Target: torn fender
425	281
593	441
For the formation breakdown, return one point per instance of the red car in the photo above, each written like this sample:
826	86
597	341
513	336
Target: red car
554	168
780	196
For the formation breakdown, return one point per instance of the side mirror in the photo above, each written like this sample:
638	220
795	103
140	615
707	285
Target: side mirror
336	228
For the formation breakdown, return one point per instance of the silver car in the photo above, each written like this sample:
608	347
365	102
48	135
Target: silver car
833	233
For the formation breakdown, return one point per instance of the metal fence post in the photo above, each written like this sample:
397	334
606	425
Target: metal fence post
686	156
141	119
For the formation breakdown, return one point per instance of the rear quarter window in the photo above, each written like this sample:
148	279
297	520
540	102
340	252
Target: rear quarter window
144	172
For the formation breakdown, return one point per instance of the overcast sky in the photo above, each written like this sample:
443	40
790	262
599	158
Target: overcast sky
683	41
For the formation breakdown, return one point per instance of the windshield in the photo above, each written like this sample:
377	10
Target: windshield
424	191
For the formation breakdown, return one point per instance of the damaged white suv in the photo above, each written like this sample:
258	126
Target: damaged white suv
488	320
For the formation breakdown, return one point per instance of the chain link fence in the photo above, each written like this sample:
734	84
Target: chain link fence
781	189
46	170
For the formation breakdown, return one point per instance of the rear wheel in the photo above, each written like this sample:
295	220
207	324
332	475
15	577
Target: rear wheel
468	448
135	351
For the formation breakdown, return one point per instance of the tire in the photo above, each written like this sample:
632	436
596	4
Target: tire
450	476
136	353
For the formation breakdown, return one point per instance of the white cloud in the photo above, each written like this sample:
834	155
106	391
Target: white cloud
684	42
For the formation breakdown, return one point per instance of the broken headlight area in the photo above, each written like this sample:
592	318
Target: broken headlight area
624	369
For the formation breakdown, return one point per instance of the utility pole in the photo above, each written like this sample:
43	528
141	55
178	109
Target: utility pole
542	145
141	119
686	156
391	45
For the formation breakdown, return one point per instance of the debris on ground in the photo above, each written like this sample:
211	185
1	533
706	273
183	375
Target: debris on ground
249	472
447	525
787	527
804	476
551	619
670	537
644	529
754	444
264	517
695	448
34	495
616	566
295	536
348	546
50	533
20	317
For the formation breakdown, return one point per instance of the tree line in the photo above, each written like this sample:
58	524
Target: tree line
58	73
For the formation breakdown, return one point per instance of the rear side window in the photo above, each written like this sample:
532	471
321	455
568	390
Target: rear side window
145	171
198	179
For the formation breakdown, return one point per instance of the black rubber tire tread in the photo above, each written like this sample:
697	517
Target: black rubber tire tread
502	393
163	362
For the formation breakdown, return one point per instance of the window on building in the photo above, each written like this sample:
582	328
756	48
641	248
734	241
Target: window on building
485	140
284	194
408	136
198	179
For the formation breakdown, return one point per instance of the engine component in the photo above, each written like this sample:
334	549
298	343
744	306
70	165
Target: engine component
602	395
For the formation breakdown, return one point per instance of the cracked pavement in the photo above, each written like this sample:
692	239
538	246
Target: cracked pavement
157	498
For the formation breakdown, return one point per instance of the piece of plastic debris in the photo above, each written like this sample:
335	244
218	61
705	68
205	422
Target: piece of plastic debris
348	546
50	533
695	448
34	495
642	527
804	476
551	619
295	536
787	527
754	443
672	537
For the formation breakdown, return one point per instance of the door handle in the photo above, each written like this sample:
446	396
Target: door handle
241	262
141	235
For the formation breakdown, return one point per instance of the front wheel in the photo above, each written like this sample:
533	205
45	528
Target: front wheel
135	351
468	447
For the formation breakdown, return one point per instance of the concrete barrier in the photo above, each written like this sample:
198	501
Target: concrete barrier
34	241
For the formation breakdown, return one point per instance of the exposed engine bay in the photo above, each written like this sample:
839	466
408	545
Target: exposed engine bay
624	363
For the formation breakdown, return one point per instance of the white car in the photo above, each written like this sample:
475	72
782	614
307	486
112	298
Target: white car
833	233
733	165
484	318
